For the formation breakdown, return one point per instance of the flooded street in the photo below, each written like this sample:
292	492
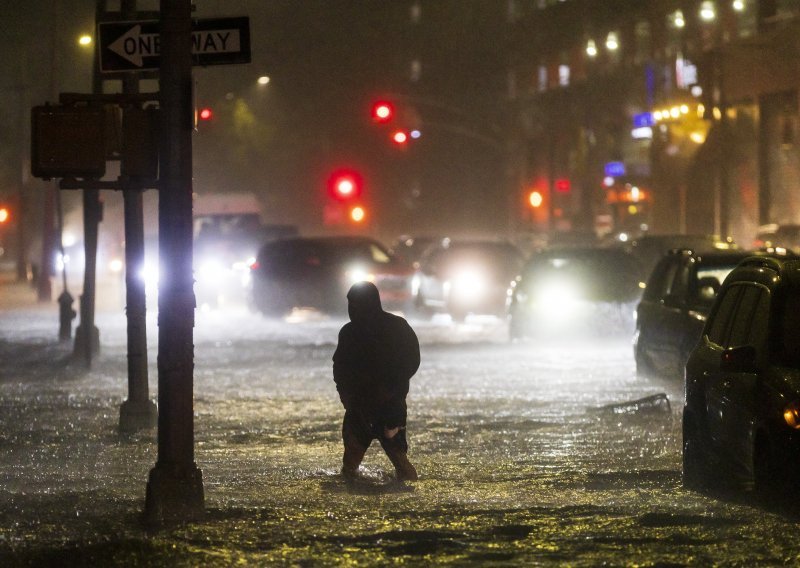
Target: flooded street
526	453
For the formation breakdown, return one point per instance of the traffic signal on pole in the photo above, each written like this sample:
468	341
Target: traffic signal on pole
400	137
345	185
358	214
382	112
535	199
563	185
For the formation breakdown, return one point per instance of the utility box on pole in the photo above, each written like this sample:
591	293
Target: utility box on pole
68	141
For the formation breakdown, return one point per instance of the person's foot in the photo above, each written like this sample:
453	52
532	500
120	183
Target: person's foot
349	474
405	471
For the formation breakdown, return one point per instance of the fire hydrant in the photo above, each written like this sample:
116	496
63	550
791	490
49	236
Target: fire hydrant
65	314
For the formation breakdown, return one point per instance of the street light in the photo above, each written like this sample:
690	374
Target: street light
85	40
263	80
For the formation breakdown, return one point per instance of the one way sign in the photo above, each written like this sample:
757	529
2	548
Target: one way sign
136	45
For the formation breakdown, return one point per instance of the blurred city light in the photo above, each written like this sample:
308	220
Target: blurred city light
263	80
612	42
85	39
4	215
591	48
400	137
535	199
707	11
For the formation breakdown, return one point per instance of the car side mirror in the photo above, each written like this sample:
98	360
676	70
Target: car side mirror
740	359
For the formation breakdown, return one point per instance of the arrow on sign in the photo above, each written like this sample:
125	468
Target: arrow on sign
134	45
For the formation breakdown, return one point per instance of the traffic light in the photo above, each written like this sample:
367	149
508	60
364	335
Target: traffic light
563	185
358	214
345	185
400	137
205	113
382	112
535	199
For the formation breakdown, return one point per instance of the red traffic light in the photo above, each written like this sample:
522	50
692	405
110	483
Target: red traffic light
400	137
382	111
345	185
205	114
563	185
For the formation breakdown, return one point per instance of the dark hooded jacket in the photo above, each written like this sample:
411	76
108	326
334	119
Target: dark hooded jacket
375	358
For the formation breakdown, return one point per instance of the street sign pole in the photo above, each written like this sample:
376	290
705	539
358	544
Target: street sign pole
175	486
138	411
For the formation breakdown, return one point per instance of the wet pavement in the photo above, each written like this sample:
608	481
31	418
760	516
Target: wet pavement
528	453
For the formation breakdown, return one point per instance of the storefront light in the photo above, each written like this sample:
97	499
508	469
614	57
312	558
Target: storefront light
612	42
707	11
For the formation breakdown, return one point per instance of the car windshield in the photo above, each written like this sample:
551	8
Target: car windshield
604	275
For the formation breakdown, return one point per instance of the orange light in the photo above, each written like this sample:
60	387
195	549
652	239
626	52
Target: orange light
535	199
4	215
358	214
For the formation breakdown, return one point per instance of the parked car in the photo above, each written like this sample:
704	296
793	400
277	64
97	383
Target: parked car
741	419
466	277
676	301
649	249
576	291
774	235
317	272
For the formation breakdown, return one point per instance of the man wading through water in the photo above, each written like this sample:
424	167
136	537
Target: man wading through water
377	354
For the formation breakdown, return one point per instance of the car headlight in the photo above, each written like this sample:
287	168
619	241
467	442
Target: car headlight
468	283
557	298
791	414
149	275
210	270
356	274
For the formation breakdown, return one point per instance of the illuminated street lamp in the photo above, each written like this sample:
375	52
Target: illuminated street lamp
263	80
85	40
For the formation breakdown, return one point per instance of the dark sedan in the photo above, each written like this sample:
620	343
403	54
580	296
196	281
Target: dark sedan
741	420
673	310
576	291
317	272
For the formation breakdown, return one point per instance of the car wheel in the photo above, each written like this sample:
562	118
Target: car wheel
695	473
766	479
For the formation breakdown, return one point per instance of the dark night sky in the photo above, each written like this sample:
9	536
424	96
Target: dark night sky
327	59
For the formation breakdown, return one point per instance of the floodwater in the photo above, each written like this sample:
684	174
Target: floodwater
527	453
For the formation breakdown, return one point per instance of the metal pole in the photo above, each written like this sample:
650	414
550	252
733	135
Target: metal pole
87	336
175	487
138	412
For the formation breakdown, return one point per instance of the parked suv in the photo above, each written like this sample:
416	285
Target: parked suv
676	301
741	419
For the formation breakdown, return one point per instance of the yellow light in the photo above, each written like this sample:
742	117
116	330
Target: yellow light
707	11
535	199
675	112
263	80
678	19
591	48
697	137
701	110
612	43
635	194
632	209
717	113
791	415
3	215
738	5
358	214
85	39
684	109
657	115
